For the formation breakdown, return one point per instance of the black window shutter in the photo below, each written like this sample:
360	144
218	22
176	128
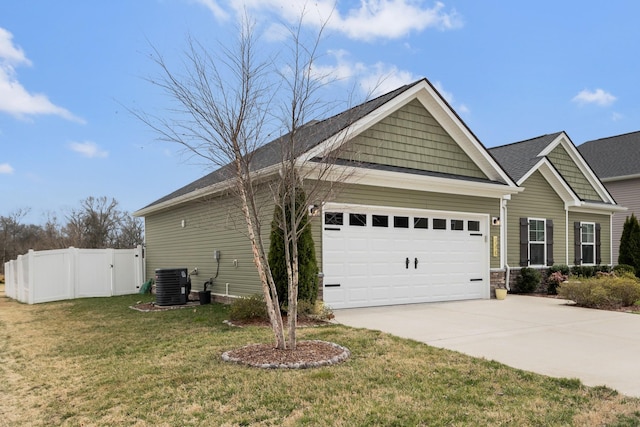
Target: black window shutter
549	242
524	242
577	240
598	244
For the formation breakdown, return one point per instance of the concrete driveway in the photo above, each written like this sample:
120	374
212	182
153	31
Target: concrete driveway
542	335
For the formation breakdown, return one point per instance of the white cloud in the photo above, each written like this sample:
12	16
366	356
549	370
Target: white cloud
6	169
10	53
369	20
14	98
383	78
598	97
215	8
448	96
392	19
373	80
616	116
88	149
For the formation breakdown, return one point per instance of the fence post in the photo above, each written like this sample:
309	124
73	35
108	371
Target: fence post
31	280
138	266
73	274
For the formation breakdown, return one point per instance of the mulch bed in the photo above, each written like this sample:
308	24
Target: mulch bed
308	354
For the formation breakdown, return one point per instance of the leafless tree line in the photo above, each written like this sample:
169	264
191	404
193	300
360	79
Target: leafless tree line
97	223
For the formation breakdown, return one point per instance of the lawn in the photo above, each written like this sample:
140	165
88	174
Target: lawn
96	362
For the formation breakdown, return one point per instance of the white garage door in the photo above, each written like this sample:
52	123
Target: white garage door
383	256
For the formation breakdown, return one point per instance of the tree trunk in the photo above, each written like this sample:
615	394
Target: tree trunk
275	317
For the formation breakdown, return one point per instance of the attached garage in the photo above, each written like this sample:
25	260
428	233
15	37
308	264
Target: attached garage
375	256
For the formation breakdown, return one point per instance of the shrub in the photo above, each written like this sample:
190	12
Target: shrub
528	280
316	310
630	243
602	292
585	271
620	269
308	281
562	268
247	308
554	280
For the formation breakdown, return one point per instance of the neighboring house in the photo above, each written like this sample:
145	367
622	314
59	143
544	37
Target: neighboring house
418	221
563	216
616	161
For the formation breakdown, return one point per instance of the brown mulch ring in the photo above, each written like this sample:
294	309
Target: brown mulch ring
308	354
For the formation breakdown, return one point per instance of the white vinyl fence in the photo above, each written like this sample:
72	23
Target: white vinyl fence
55	275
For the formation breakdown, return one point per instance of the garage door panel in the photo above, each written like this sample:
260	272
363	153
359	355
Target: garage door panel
370	263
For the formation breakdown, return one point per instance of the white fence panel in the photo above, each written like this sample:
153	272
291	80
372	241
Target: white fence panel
52	275
10	279
23	278
93	273
125	261
74	273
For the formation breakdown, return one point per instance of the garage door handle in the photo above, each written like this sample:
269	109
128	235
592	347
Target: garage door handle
406	263
415	263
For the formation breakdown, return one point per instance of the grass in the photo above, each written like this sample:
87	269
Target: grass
96	362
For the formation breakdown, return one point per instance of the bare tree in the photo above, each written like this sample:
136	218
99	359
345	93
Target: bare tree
52	236
131	232
224	107
98	223
12	230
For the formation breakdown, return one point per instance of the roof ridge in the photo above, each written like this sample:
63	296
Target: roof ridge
611	137
527	140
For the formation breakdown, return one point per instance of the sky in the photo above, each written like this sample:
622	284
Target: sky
72	71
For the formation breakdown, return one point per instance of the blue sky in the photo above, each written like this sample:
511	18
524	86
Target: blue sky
71	70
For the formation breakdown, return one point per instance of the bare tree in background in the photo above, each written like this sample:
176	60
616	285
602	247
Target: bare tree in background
11	228
223	107
99	223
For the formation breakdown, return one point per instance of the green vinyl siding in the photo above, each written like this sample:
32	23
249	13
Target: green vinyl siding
538	200
605	234
572	174
213	224
411	138
379	196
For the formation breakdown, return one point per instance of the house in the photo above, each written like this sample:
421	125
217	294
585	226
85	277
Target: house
564	214
616	161
418	220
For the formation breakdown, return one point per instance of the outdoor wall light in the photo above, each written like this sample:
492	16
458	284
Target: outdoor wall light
314	210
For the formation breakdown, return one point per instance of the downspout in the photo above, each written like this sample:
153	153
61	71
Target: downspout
566	234
612	263
503	253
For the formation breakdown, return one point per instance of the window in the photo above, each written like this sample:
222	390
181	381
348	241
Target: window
537	242
358	220
439	224
588	242
401	221
457	224
420	222
473	225
379	220
333	218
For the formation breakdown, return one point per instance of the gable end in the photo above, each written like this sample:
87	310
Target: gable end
411	138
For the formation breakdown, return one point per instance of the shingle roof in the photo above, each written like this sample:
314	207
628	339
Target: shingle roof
614	156
519	157
310	135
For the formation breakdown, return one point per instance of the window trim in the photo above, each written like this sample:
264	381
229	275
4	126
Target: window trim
543	242
583	243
